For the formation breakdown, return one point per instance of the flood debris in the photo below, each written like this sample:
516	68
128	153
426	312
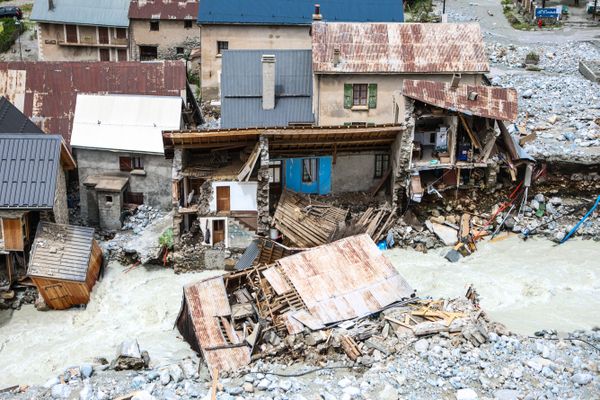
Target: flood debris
65	263
228	318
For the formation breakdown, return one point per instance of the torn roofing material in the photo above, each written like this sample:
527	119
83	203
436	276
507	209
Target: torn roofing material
29	167
263	251
46	92
61	252
82	12
164	9
14	121
483	101
204	322
398	48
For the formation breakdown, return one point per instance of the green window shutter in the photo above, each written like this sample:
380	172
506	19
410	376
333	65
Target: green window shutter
372	95
347	123
347	95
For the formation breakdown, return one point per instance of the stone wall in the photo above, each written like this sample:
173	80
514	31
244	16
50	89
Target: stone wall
110	205
401	157
262	194
170	36
61	211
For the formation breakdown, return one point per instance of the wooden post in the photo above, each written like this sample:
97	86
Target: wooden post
213	389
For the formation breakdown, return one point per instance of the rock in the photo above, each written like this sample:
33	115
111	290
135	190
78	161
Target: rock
352	391
61	391
129	356
582	378
388	393
143	395
446	234
248	387
537	363
138	382
466	394
189	368
176	373
86	370
263	384
87	392
51	382
234	390
453	256
344	382
165	376
421	346
527	94
507	394
285	385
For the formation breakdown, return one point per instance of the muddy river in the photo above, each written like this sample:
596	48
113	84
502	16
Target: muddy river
528	286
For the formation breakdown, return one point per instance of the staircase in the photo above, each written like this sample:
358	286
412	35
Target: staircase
240	233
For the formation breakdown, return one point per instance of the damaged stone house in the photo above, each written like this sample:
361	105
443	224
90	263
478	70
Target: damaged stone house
82	30
163	29
117	140
269	24
33	166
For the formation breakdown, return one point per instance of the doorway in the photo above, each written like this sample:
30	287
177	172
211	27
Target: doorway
218	226
102	35
223	199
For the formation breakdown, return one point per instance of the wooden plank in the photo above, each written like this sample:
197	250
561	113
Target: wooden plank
473	137
380	183
13	234
248	166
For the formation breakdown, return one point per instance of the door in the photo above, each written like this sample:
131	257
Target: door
223	198
218	231
71	33
122	55
56	296
104	55
12	229
102	35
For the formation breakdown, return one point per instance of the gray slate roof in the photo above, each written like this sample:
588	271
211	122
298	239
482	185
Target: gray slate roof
61	252
83	12
29	166
14	121
241	89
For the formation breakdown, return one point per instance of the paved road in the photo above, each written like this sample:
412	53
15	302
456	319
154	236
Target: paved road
496	28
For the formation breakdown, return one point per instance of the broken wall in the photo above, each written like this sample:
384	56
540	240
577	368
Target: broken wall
354	172
262	194
401	156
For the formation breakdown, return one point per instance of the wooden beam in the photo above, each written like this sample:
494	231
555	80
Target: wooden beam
473	137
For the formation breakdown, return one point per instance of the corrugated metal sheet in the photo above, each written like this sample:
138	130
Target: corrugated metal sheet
14	121
491	102
345	279
61	252
163	9
46	92
398	48
298	12
83	12
124	122
206	302
29	166
276	280
241	91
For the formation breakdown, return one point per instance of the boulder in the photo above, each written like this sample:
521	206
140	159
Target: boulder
128	356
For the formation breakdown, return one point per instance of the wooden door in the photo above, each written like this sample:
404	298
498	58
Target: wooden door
12	229
122	55
102	35
57	296
71	33
218	230
223	198
104	55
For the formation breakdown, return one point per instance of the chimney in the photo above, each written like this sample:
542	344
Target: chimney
336	57
472	96
317	15
268	78
50	5
455	81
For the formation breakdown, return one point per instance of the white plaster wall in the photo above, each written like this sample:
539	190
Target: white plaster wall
243	195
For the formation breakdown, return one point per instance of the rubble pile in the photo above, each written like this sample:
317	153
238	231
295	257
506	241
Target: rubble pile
142	216
15	299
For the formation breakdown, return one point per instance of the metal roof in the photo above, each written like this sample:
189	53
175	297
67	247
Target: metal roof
124	122
297	12
82	12
47	91
14	121
398	48
61	252
346	279
241	88
490	102
163	9
29	166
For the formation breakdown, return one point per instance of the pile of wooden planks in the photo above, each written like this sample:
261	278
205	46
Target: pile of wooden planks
376	223
306	222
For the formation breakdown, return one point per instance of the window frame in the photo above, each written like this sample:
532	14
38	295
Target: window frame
275	166
382	164
131	163
180	53
362	99
220	44
154	25
309	175
188	23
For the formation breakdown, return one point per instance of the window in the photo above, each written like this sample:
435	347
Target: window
71	33
148	53
382	163
359	94
104	54
179	51
128	164
121	33
154	25
187	23
222	46
108	199
122	55
274	171
309	170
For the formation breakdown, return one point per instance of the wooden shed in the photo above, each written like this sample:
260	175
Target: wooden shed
64	264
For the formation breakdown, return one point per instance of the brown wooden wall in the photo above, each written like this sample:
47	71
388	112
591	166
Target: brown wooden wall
13	234
94	266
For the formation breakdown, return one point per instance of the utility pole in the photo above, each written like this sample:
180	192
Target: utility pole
594	12
444	7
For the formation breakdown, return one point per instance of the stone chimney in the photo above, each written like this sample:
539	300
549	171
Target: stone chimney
317	15
455	81
268	78
336	56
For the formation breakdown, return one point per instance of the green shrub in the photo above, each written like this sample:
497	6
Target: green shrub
9	34
166	239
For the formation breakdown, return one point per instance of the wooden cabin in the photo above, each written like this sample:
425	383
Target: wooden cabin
64	264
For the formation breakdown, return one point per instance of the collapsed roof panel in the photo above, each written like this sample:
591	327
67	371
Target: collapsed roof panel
483	101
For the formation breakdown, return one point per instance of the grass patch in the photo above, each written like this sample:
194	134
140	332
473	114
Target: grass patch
26	8
513	18
419	11
166	239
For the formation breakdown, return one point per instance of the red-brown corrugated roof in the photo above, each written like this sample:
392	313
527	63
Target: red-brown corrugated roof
163	9
398	48
490	102
46	91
